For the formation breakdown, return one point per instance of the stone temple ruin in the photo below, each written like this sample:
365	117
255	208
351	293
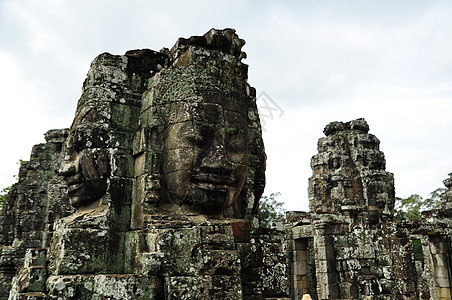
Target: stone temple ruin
153	193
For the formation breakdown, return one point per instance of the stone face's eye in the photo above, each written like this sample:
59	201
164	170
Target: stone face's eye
180	135
236	136
236	141
203	135
187	135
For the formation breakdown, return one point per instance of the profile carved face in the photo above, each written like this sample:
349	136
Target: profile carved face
86	164
205	156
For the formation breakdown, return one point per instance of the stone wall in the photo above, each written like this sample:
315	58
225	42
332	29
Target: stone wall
31	207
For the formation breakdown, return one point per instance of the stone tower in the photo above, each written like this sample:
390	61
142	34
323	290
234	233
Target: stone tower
348	174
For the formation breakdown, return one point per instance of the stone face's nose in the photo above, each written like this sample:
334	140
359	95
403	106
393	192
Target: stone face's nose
68	168
69	163
215	158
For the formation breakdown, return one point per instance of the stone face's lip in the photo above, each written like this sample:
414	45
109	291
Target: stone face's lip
211	186
73	179
73	188
212	178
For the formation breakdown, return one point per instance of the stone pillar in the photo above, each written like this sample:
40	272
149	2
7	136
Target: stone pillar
325	263
303	267
440	255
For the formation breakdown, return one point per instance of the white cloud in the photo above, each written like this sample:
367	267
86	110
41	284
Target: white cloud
17	134
320	61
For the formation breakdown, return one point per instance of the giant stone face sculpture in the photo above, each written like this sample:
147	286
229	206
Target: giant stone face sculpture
97	153
194	137
88	166
205	160
199	130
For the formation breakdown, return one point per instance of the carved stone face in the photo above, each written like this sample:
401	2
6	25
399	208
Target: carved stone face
86	164
205	157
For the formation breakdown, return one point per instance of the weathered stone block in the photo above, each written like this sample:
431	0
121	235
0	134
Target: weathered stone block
250	255
217	237
121	191
113	287
438	247
79	251
83	243
221	262
123	165
445	293
440	260
300	267
275	278
180	251
226	287
365	251
125	117
348	290
241	231
300	255
440	272
187	288
34	280
304	231
442	282
141	255
143	163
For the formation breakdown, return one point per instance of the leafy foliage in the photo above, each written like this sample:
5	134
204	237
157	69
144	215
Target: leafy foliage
270	210
417	250
6	190
3	194
410	208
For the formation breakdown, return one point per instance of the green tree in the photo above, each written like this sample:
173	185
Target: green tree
435	200
270	210
410	208
3	194
6	190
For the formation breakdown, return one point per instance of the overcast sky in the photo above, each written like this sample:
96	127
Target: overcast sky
316	61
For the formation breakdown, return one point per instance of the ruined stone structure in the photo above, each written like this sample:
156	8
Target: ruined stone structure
153	191
349	175
153	194
349	247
